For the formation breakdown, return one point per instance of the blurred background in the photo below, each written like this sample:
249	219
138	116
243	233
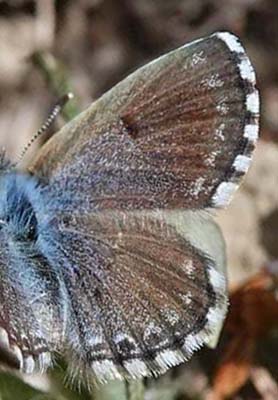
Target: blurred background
48	47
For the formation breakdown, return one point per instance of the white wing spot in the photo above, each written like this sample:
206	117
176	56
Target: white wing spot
136	368
95	340
222	108
171	316
231	41
44	361
251	132
246	71
151	329
120	337
197	186
210	160
242	163
29	365
198	58
213	81
4	339
187	298
106	370
252	102
219	132
169	358
224	193
188	267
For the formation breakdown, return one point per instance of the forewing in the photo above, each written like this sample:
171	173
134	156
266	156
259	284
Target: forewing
143	299
177	133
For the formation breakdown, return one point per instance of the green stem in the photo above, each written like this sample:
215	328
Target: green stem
56	76
135	389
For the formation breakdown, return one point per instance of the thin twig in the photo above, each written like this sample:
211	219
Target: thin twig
55	74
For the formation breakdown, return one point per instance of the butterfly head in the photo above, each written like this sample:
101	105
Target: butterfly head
17	214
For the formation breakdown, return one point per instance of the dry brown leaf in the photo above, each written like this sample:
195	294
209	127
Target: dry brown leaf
253	313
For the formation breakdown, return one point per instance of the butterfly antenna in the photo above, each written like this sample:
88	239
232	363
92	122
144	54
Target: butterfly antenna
51	117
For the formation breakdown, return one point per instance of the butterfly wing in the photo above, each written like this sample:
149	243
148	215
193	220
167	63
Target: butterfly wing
178	133
143	298
32	309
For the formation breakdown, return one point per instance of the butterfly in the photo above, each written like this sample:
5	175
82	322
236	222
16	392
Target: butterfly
108	255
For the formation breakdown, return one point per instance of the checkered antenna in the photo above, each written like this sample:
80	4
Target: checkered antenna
46	125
